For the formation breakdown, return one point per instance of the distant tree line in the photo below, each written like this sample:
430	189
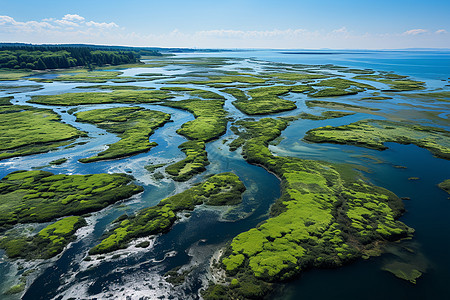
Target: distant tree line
59	57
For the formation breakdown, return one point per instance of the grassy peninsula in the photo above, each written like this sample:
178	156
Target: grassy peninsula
325	217
133	125
220	189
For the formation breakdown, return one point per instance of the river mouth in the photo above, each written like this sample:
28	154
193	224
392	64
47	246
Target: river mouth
139	273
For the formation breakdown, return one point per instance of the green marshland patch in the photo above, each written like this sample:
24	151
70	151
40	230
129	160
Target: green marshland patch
133	125
49	242
39	196
117	96
25	130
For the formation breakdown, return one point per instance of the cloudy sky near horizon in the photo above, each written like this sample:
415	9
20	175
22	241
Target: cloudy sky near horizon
345	24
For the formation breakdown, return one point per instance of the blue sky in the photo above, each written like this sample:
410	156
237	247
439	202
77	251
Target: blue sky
230	24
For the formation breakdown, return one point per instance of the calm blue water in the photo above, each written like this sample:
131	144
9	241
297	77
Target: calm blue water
192	242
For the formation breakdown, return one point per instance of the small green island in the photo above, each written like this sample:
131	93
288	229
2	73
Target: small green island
373	133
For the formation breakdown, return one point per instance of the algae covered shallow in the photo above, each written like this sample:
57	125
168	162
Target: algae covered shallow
220	189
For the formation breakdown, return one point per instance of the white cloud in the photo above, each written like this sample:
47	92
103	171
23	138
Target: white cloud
102	25
74	17
10	25
70	22
73	28
415	31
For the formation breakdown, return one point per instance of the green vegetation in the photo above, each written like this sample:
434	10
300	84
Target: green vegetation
358	71
373	133
49	242
236	93
195	162
206	94
376	98
220	189
302	77
324	218
38	196
397	83
89	76
11	75
12	89
210	118
175	276
152	168
210	123
124	96
58	162
333	92
340	83
15	289
195	92
5	101
325	115
115	87
25	130
265	100
337	105
445	185
41	57
223	79
441	95
133	125
204	62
